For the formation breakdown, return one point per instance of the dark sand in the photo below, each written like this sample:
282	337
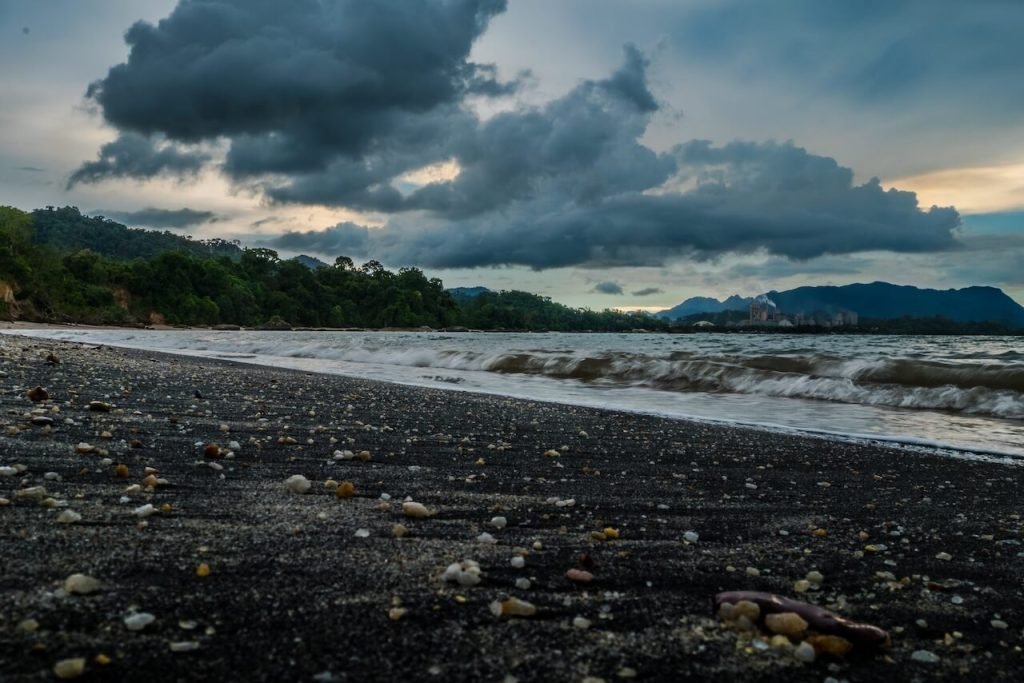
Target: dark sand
293	593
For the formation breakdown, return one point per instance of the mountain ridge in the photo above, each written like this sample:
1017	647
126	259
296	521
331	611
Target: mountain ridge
880	300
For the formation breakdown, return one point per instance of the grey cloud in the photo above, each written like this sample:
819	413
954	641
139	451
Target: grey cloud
608	287
647	291
31	169
299	86
137	156
344	239
163	218
749	197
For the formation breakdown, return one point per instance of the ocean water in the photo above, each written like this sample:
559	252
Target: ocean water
957	393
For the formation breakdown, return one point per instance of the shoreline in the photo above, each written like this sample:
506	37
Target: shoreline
294	591
903	442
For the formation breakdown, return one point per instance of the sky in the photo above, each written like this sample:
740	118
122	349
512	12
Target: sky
605	153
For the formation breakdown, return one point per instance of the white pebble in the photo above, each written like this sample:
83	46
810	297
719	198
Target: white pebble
297	484
581	622
945	557
362	533
69	517
999	624
81	584
499	522
486	538
691	537
144	510
185	646
518	562
139	621
523	583
924	656
8	471
815	577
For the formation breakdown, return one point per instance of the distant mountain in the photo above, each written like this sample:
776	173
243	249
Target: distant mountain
467	292
310	262
703	304
879	300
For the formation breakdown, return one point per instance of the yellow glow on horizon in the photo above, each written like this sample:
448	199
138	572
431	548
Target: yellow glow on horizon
979	189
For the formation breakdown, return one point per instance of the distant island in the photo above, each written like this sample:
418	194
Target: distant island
59	265
848	305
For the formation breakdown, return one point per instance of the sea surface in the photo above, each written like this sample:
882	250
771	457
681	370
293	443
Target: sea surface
962	394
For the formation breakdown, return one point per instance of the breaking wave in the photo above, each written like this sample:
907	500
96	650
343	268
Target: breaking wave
994	389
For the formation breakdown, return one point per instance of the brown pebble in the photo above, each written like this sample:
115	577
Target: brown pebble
212	450
38	394
121	471
788	624
832	645
346	489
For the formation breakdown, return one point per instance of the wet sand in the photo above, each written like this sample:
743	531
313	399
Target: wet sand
316	587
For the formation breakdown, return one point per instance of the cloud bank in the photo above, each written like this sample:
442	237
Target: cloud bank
318	104
162	218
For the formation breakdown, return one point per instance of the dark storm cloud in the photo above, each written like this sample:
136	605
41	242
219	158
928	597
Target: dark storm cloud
647	291
876	52
162	218
608	287
320	104
745	197
299	86
137	156
344	239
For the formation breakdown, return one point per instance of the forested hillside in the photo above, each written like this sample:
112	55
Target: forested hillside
58	265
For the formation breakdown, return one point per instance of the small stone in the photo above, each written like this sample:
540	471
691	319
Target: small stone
297	484
286	441
37	494
518	562
144	511
184	646
924	656
346	489
399	531
804	652
416	510
551	453
364	456
999	624
691	537
151	481
579	576
945	557
212	451
84	448
81	584
68	517
486	538
362	533
396	613
138	621
28	625
789	624
801	586
753	571
42	421
102	659
465	573
815	577
512	607
100	406
35	395
121	471
69	668
581	622
748	609
203	570
836	646
499	522
610	532
523	583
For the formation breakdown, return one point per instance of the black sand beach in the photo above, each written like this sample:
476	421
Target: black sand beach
926	546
